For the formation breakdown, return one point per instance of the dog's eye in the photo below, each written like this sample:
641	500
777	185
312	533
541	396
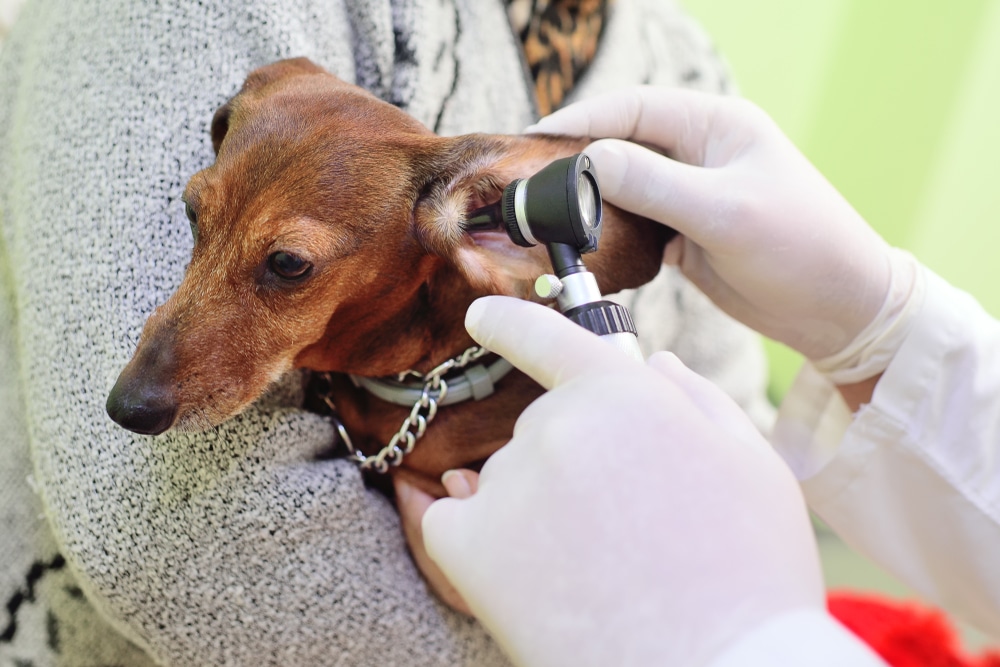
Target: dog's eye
289	266
193	219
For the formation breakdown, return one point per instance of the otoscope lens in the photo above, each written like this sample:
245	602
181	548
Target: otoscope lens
588	200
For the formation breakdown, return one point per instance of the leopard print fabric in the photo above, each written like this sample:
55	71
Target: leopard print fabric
559	39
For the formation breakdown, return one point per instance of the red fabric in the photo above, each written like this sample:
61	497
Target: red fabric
905	634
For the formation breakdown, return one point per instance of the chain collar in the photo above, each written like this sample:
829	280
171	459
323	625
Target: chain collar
430	392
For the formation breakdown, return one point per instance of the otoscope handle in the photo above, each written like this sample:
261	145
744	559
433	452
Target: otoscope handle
612	322
580	300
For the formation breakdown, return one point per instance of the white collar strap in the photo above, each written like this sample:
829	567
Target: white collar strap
476	381
423	398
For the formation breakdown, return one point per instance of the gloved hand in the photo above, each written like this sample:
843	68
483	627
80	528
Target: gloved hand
763	234
636	517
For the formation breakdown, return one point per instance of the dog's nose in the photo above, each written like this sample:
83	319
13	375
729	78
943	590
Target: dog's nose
141	407
143	399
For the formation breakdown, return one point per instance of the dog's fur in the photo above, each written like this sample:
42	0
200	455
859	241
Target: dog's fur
310	165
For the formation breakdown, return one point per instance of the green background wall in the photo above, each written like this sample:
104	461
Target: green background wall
898	103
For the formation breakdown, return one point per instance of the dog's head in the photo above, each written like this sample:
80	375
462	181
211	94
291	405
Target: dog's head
327	235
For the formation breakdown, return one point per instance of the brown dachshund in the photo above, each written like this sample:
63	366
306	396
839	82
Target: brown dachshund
328	236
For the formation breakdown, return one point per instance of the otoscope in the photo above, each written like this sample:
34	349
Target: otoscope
560	206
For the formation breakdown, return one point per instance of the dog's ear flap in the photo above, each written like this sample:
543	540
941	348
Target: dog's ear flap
268	74
492	264
487	259
260	77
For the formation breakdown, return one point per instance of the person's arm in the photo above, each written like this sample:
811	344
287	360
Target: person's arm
914	481
637	517
913	478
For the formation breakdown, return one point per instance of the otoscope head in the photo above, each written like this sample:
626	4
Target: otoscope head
559	204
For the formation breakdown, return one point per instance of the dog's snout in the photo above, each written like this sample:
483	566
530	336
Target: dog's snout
143	400
141	407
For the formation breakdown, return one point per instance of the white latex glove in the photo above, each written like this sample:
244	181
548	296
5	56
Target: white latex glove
764	234
636	517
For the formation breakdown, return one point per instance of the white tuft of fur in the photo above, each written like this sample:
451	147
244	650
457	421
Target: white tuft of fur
449	206
448	212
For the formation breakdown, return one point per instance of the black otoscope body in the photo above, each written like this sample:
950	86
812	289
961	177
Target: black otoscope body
560	206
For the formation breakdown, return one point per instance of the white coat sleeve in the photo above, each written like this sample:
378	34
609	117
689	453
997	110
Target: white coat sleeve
912	480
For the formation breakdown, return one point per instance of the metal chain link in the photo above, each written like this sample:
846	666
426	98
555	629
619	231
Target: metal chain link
421	414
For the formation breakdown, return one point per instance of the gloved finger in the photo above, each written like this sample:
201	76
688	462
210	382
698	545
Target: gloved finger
606	115
616	114
675	120
713	402
444	537
654	186
673	254
460	483
412	504
539	341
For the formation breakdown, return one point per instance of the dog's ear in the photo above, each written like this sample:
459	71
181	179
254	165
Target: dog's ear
259	78
473	172
268	74
491	263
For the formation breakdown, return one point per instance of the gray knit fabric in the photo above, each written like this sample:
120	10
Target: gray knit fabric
236	546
